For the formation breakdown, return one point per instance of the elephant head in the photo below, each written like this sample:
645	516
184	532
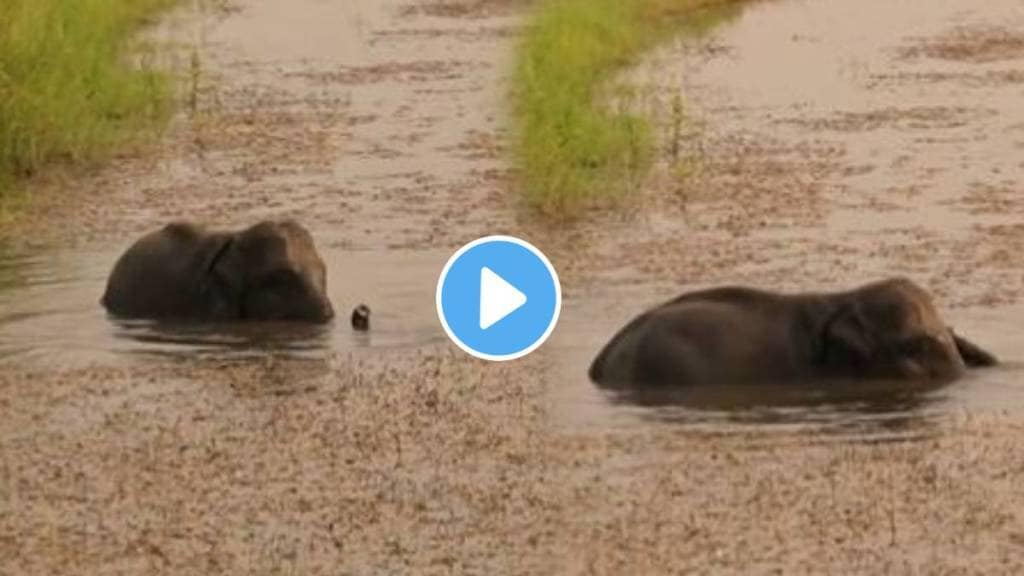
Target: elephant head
891	329
270	271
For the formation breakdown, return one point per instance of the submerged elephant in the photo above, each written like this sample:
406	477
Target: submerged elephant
731	335
270	271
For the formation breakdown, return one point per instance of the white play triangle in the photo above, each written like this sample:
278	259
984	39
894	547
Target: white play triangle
498	298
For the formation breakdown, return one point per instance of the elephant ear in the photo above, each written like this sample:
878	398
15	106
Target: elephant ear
846	337
973	355
222	275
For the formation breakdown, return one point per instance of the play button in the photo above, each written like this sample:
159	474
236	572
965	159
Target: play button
498	298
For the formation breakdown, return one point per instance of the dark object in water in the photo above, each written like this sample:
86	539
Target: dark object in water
887	330
361	318
269	271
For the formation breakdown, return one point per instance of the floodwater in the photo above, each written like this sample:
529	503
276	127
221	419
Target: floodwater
826	144
909	128
50	317
856	411
834	146
50	313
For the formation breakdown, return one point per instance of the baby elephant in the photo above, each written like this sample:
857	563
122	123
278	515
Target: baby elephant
270	271
884	330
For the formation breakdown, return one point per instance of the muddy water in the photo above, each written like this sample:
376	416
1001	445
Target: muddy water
836	142
49	317
377	127
859	412
838	145
50	314
830	154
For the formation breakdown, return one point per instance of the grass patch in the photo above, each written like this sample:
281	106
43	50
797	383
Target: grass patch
577	141
72	87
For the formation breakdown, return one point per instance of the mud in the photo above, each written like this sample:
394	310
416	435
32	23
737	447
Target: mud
826	144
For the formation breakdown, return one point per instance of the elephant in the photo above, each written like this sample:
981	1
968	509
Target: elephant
269	271
885	330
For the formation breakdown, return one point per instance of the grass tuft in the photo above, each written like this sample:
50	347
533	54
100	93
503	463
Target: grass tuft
70	90
573	148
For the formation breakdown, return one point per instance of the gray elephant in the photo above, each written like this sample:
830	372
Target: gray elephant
732	335
270	271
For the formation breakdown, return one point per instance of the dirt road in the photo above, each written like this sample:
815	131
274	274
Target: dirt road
838	142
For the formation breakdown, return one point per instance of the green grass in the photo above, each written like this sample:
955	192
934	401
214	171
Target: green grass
577	142
71	85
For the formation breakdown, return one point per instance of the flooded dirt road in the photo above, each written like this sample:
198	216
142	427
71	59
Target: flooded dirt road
831	148
836	142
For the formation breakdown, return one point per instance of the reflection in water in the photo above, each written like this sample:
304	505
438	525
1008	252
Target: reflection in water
858	411
835	143
246	338
50	317
843	408
50	313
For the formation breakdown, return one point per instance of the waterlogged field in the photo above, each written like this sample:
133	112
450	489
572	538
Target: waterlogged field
827	144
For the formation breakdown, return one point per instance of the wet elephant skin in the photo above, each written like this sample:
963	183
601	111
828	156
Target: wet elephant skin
887	330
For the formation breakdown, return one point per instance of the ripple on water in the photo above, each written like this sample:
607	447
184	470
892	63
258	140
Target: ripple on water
833	147
50	314
853	411
50	317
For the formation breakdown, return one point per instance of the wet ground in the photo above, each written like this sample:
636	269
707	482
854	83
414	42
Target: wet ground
834	142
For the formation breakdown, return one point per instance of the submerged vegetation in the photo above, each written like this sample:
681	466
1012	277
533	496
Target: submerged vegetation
573	146
70	88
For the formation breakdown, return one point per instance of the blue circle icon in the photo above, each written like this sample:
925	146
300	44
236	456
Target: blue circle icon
498	298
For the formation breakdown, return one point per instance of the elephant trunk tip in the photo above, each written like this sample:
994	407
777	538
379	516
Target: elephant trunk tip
974	356
361	318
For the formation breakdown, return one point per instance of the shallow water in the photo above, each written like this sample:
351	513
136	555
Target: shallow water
829	144
847	411
843	141
50	318
904	151
837	139
50	314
